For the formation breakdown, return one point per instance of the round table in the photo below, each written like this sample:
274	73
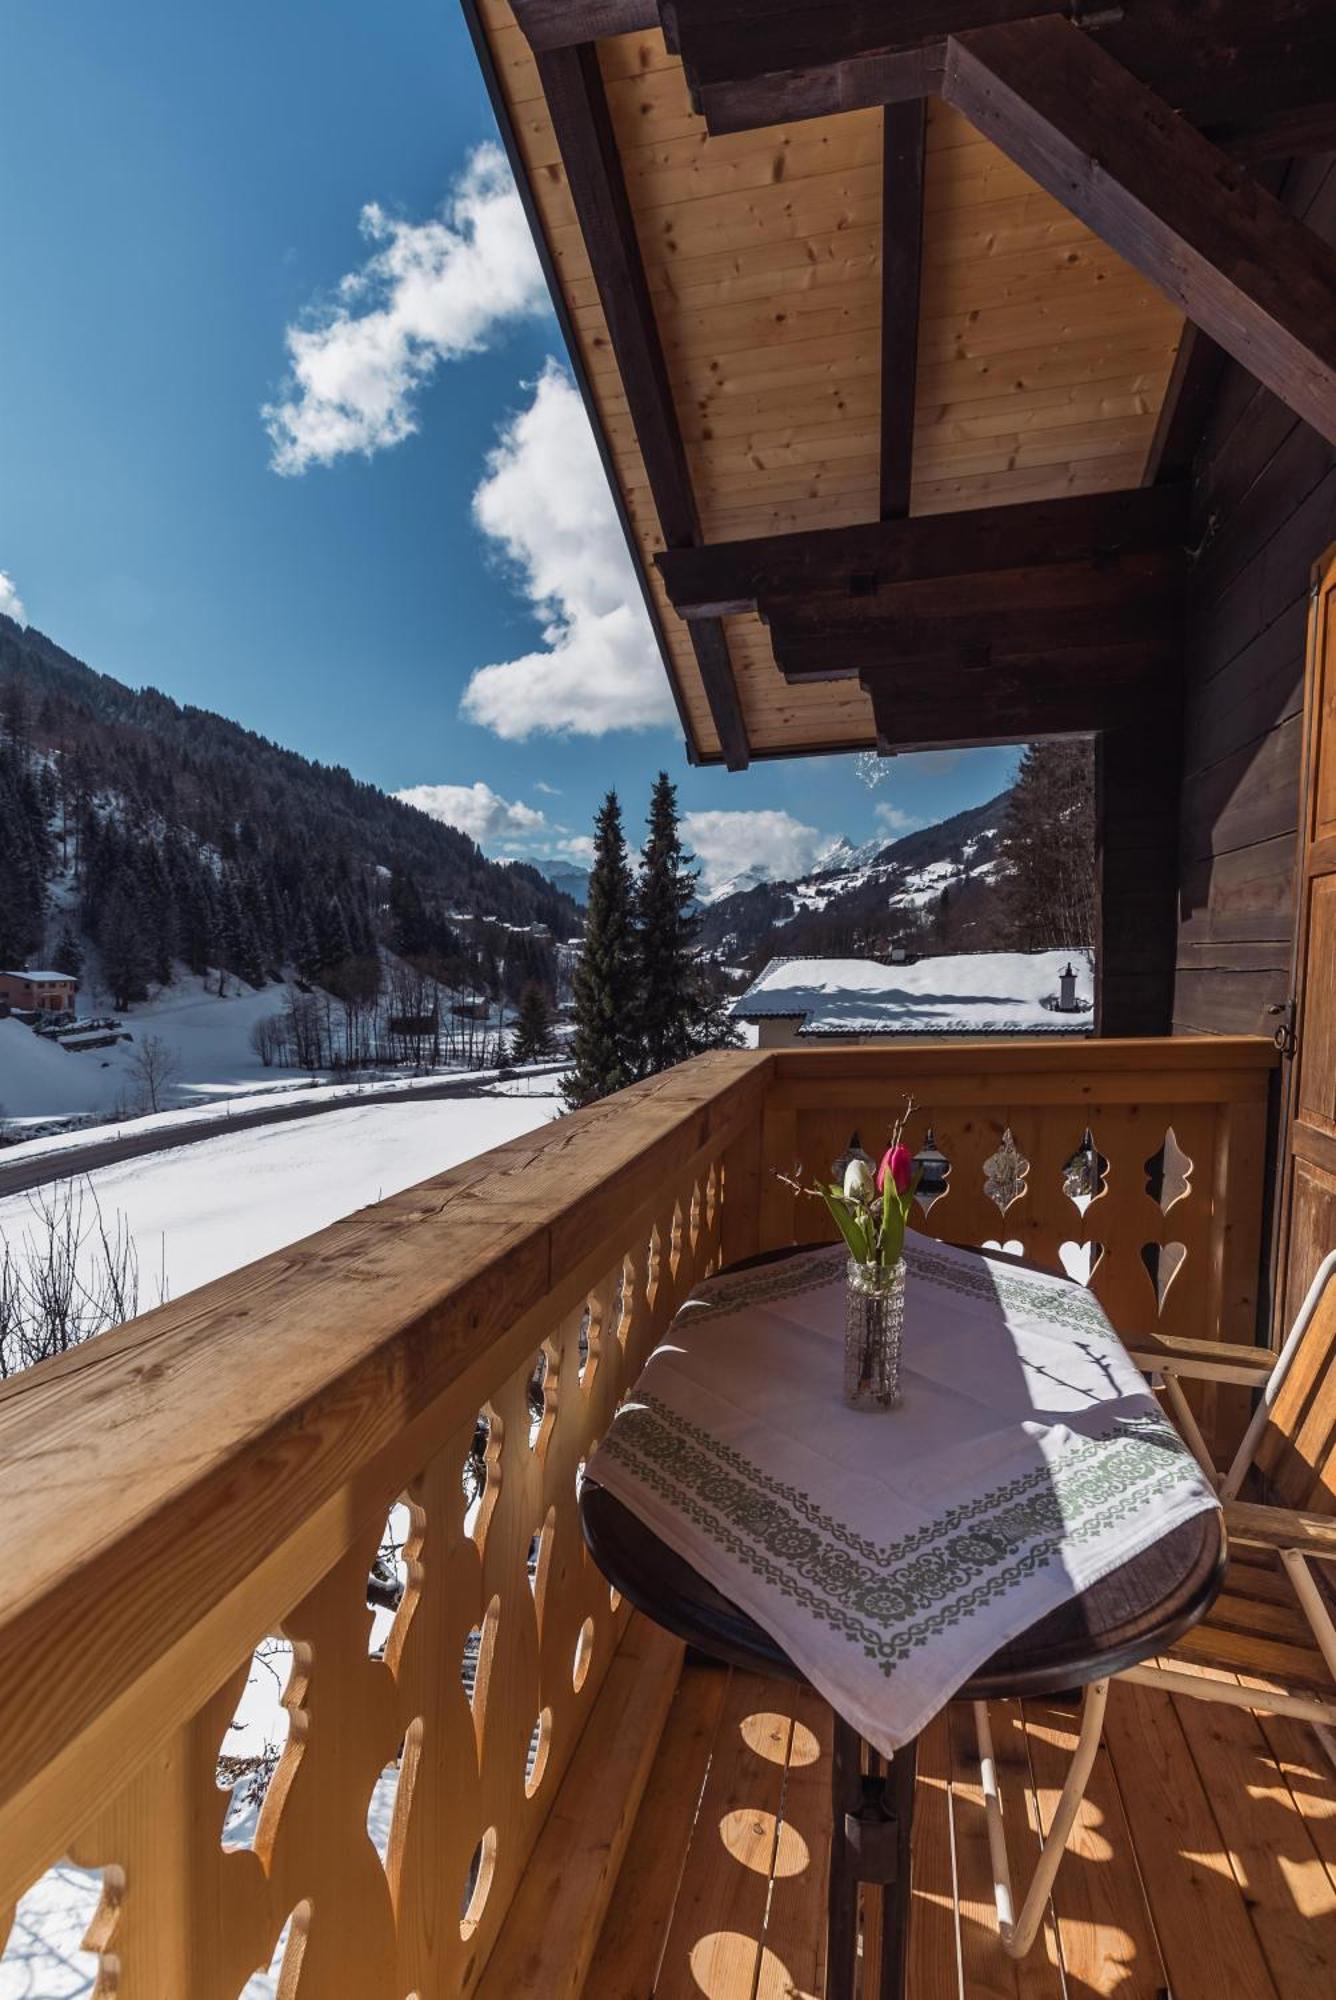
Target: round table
1136	1611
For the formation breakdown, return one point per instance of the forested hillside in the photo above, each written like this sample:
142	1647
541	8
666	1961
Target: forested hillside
166	833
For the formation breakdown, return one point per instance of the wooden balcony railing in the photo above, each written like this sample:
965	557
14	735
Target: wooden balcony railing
223	1469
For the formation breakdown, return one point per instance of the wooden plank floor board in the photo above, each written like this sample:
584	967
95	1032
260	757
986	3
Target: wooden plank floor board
1284	1882
1209	1946
626	1963
714	1940
1203	1865
987	1969
1105	1933
793	1958
1311	1779
934	1971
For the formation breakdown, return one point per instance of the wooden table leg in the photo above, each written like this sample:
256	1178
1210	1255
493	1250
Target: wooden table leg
871	1831
895	1917
846	1792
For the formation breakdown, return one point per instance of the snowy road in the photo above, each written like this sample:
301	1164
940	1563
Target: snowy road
223	1202
41	1160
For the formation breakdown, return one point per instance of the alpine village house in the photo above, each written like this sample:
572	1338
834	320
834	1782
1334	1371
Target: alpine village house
965	372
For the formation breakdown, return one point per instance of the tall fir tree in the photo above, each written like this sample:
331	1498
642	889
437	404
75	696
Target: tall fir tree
605	1048
667	930
1048	847
680	1012
533	1027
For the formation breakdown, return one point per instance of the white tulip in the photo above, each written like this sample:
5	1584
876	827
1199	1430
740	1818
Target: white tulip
859	1184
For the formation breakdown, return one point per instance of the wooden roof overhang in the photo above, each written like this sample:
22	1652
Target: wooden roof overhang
878	308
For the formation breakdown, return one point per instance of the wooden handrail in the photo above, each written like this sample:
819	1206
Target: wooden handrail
190	1473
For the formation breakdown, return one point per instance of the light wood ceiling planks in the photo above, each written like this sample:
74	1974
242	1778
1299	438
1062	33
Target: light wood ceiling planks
1042	358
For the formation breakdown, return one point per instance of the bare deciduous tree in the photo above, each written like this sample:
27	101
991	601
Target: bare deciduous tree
268	1038
154	1068
68	1276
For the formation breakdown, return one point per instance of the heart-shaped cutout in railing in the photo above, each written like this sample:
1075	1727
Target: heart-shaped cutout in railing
1163	1262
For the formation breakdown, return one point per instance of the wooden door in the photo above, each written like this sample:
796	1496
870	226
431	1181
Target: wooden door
1310	1149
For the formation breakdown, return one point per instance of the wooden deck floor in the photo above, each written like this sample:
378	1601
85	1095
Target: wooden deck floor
1203	1867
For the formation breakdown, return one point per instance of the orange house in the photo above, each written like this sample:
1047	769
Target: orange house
38	992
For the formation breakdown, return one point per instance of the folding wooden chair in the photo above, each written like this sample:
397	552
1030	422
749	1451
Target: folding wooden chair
1272	1623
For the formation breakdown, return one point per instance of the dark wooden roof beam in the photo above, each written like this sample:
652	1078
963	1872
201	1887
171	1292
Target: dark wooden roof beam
1255	280
953	701
565	24
807	651
861	560
1259	74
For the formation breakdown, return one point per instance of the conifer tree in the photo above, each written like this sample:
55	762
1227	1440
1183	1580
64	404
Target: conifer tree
68	954
680	1014
605	1047
666	932
533	1027
1048	847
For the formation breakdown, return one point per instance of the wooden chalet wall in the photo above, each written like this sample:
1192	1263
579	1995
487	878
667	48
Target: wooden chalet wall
1264	509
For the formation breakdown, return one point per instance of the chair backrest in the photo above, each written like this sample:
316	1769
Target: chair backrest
1293	1433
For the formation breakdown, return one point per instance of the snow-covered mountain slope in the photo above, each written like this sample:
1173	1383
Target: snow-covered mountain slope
935	885
568	876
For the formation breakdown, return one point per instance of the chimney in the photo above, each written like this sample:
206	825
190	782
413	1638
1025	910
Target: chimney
1067	990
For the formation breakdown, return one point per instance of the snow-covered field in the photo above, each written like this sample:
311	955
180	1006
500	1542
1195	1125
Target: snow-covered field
195	1214
210	1036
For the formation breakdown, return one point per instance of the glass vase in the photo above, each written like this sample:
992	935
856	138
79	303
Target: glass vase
873	1331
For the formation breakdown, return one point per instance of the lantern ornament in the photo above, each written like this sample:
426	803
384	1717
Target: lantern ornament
934	1172
1083	1175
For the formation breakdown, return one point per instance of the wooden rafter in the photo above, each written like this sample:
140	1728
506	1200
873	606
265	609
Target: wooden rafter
1164	197
857	562
904	129
577	104
1259	76
976	698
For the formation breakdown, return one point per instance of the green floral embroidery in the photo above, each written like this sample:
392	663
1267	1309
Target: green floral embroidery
890	1599
786	1280
1067	1305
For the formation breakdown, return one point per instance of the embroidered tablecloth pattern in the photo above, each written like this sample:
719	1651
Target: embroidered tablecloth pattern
891	1554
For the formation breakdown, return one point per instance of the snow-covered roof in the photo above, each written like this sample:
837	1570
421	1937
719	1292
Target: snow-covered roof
27	972
959	993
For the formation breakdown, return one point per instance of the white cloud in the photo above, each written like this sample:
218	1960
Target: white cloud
579	847
10	601
771	844
429	292
893	819
545	503
479	812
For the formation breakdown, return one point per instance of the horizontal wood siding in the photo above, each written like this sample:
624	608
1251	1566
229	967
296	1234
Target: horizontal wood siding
1264	509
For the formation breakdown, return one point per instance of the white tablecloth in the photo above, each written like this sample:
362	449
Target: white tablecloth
891	1553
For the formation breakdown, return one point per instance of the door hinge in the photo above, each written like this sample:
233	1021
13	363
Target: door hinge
1284	1036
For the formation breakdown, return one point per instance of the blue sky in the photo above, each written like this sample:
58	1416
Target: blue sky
211	214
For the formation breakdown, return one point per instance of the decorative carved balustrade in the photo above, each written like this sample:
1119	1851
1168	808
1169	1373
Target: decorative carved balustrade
1137	1163
220	1473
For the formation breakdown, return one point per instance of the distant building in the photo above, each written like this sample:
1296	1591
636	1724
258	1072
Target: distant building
38	992
958	993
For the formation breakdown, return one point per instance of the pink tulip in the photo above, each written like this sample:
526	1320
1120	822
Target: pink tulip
898	1162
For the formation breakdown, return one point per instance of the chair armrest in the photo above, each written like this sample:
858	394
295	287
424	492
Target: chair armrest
1203	1360
1281	1528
